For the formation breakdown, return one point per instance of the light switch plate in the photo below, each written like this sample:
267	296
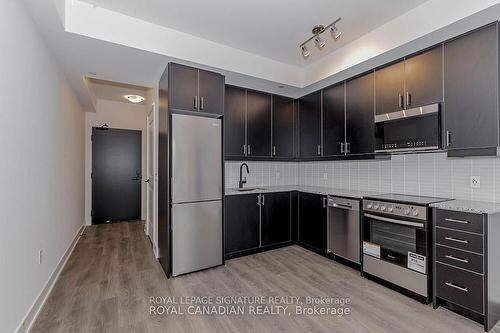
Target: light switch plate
475	181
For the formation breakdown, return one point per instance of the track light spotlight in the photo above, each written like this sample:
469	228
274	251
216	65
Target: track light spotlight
335	32
320	43
305	51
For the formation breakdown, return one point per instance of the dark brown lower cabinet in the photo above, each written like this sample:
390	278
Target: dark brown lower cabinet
313	221
241	223
276	218
466	256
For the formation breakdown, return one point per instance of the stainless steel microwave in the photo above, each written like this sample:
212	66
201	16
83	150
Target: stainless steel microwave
416	129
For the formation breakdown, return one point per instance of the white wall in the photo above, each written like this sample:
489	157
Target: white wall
117	115
42	168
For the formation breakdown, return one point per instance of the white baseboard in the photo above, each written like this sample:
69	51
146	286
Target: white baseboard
29	319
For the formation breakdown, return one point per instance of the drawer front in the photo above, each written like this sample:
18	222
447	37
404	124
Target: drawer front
459	221
460	287
460	240
458	258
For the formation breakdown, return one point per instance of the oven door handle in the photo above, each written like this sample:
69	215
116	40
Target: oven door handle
386	219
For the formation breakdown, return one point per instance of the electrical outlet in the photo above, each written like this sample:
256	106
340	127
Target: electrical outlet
475	182
40	257
325	175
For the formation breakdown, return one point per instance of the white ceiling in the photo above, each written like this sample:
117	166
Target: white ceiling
139	61
115	91
269	28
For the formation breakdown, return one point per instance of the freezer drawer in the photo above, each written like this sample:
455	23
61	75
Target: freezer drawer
196	236
196	159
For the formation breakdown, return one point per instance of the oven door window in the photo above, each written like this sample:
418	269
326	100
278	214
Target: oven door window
395	240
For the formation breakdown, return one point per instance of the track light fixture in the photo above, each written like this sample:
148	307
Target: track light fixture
305	51
336	33
320	42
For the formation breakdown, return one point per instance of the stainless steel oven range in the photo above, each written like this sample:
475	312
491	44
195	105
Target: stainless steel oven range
396	236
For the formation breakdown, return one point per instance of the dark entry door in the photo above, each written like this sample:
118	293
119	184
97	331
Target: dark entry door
116	175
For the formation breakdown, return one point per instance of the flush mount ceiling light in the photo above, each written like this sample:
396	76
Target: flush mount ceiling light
134	98
320	42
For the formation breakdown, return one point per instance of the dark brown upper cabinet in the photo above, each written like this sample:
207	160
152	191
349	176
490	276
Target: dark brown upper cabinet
389	88
283	125
424	78
310	125
360	126
195	90
334	120
258	124
234	121
412	82
470	90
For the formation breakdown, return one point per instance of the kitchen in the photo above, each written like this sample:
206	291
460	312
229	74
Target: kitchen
404	115
268	168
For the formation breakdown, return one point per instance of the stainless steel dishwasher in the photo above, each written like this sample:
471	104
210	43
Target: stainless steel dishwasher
344	228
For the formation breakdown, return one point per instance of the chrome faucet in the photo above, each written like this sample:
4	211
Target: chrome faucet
243	181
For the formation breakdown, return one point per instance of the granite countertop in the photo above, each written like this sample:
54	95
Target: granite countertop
308	189
470	206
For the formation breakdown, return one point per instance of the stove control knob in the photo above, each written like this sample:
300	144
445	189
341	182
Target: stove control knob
407	211
375	207
369	205
415	213
382	208
390	209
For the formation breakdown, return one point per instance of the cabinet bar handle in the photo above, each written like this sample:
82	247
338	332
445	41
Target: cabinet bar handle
408	98
324	202
453	239
347	147
202	103
195	102
341	147
248	147
245	150
400	101
449	256
258	200
451	284
319	149
274	150
263	200
457	221
448	138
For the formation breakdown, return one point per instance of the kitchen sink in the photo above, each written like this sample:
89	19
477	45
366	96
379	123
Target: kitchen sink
245	189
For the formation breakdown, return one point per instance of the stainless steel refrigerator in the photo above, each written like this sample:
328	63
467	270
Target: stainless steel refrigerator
196	193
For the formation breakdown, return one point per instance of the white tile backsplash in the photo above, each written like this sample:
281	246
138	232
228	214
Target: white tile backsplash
431	174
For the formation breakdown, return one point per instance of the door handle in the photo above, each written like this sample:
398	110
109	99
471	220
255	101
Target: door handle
263	200
319	149
457	221
400	101
202	103
341	147
245	150
248	148
258	200
448	138
274	150
195	104
347	147
135	179
324	202
408	98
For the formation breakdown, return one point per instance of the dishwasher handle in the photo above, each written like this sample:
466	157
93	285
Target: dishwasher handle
343	204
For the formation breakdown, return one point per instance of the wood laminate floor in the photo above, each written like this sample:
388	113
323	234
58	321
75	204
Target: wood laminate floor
108	281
